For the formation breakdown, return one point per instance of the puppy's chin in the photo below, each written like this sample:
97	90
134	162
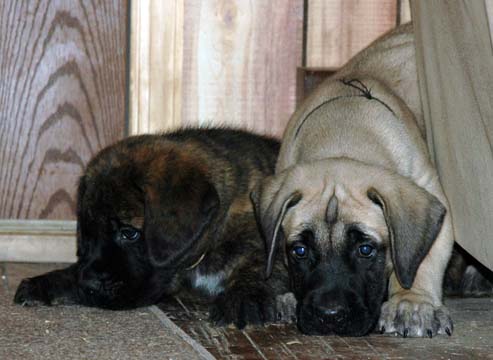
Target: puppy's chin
112	296
356	322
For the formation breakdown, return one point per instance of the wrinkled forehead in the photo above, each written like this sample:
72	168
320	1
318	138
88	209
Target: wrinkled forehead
132	214
355	207
114	196
349	205
127	206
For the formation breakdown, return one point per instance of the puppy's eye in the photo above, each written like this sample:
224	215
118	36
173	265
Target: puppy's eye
130	234
366	250
299	251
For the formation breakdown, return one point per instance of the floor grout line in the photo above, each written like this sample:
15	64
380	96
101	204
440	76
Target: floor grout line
165	320
255	346
178	300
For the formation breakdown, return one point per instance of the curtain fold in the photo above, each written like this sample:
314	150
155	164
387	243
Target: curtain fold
455	70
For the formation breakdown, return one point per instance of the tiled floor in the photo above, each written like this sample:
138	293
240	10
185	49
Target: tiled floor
472	338
77	332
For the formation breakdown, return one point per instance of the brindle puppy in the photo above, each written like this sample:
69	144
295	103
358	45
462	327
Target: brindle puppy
466	276
161	213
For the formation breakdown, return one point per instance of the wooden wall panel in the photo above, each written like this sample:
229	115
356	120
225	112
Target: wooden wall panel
156	62
62	90
217	62
240	59
338	29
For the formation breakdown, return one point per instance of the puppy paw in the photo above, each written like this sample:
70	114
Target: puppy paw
476	284
31	292
241	309
286	308
414	317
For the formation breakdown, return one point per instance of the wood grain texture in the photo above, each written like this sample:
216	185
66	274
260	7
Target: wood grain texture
338	29
62	89
240	59
156	59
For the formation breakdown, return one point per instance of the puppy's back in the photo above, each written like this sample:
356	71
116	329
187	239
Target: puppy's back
233	160
236	146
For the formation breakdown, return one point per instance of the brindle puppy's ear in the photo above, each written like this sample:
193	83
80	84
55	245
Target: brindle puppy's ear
271	200
414	218
179	211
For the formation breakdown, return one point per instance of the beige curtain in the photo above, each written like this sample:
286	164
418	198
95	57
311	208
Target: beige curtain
455	71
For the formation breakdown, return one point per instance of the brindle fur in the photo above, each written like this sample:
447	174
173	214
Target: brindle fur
186	193
467	277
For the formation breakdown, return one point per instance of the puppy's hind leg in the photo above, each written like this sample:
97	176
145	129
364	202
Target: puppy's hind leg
53	288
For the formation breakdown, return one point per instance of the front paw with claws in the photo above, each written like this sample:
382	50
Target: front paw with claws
414	318
32	292
286	308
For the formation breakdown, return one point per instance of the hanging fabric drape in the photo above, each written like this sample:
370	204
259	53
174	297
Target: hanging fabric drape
455	70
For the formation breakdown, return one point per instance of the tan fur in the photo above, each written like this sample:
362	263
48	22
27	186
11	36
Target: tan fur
341	142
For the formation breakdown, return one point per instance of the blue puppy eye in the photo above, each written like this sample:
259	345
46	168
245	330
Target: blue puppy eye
366	250
130	234
299	251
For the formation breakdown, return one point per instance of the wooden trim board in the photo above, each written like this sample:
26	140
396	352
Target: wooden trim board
38	241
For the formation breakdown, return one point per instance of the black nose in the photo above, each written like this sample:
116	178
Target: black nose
329	307
93	278
92	284
331	313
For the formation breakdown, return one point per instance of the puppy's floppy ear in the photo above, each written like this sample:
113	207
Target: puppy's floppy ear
179	210
271	200
414	218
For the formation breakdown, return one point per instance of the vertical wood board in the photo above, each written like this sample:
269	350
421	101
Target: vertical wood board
338	29
62	90
240	60
156	61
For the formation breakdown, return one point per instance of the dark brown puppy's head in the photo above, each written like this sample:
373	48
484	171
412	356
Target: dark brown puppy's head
345	227
144	205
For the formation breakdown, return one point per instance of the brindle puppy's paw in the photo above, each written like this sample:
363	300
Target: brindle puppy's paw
286	308
31	292
243	308
414	318
476	284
